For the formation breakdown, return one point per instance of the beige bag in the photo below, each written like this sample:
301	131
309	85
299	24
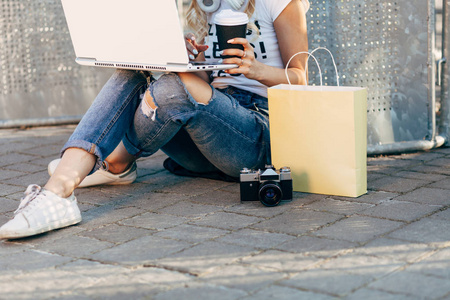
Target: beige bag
320	132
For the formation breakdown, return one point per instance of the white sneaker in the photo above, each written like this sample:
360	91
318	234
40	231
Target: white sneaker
102	177
41	211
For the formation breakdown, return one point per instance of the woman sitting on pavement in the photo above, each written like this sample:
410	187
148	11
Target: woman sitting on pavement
204	122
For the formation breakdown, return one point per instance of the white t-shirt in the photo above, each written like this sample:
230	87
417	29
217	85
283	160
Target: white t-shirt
266	44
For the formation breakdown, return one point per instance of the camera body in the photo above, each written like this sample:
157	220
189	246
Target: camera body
269	186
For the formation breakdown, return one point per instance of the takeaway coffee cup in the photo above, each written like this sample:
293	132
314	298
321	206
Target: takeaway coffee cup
230	24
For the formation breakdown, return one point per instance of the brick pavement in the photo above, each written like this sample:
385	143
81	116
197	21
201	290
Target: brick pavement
169	237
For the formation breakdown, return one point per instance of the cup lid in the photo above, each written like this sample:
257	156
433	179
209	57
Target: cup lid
228	17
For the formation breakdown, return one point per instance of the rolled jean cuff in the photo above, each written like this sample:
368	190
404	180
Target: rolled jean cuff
132	149
88	147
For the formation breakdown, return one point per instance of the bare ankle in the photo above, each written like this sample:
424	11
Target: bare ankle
59	190
118	168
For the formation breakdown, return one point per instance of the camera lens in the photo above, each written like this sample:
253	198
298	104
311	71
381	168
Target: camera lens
270	193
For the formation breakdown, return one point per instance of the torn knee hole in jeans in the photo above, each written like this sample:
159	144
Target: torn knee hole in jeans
146	107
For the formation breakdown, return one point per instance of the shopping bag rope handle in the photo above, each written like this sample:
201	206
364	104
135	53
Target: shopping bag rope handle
310	54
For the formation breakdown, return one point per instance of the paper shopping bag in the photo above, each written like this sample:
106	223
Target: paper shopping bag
320	132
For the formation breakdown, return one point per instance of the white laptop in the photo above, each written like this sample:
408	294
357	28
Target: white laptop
131	34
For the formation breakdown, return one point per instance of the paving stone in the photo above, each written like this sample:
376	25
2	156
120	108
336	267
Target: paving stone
13	146
195	187
205	257
42	284
114	282
140	251
10	246
150	202
396	184
372	197
427	195
6	189
116	290
400	210
74	246
22	168
306	198
218	198
332	282
161	181
431	169
127	190
159	276
191	233
8	205
116	234
437	264
5	218
256	238
232	187
338	206
420	156
150	166
118	286
370	294
316	246
48	150
444	215
443	162
286	293
257	209
97	197
282	261
10	174
107	214
35	261
197	292
372	176
382	170
93	270
154	221
425	231
395	249
444	150
390	161
442	184
358	229
297	221
223	220
14	158
423	176
365	265
44	238
248	279
189	210
414	284
39	178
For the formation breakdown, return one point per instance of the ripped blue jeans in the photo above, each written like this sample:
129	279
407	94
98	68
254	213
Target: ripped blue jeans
227	134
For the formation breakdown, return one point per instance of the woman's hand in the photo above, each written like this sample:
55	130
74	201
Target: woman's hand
192	47
245	59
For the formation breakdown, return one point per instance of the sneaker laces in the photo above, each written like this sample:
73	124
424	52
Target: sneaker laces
32	191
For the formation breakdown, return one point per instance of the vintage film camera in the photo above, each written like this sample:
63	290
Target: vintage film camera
268	186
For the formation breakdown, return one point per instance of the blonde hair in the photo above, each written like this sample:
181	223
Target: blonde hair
196	19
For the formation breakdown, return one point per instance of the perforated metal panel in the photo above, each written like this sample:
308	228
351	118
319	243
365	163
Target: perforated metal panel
38	75
381	45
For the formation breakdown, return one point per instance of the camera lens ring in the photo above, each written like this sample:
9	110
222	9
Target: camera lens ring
270	193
